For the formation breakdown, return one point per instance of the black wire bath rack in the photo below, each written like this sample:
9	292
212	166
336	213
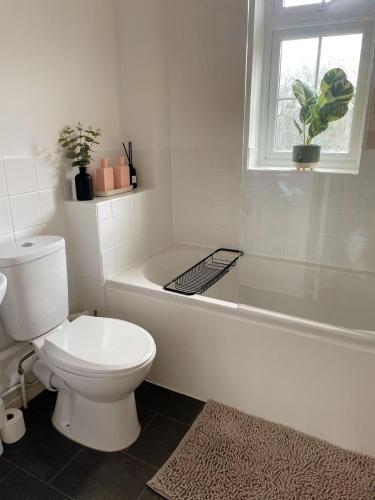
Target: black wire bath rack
204	274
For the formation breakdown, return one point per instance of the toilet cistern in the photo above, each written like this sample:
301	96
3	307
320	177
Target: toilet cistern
3	286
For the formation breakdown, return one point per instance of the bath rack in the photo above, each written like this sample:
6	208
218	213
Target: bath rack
205	273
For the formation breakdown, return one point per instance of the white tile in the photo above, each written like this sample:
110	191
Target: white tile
225	237
186	231
83	225
120	205
362	195
5	218
124	255
20	175
252	183
296	247
122	228
3	186
301	220
226	188
193	186
273	218
106	234
272	243
226	162
108	262
104	210
358	224
50	204
192	161
25	211
276	189
197	210
27	233
225	213
251	216
48	171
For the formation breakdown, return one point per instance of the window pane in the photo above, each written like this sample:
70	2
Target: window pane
298	60
297	3
342	51
286	133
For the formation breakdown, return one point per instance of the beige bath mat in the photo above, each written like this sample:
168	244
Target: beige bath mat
228	455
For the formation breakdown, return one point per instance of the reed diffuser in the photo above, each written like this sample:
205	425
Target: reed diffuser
132	170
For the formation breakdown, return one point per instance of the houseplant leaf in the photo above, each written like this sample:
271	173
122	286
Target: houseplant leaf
333	111
335	87
305	95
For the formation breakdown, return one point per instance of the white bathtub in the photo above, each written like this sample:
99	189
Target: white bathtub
290	342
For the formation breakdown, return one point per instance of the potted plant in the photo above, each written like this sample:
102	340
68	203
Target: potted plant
78	143
317	111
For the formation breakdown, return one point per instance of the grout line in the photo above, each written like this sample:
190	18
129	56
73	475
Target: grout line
148	423
9	473
66	465
139	497
141	461
40	480
167	416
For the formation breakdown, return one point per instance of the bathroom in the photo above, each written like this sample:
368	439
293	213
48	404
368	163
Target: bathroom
287	334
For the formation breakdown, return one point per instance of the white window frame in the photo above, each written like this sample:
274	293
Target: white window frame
268	26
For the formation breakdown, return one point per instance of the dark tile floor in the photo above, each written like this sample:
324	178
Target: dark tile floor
44	465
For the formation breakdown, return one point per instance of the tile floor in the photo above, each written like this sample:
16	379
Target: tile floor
44	465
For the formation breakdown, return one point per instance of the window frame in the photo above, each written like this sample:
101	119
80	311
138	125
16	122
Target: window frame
261	99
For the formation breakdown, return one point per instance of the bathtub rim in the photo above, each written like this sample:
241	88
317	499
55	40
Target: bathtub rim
360	339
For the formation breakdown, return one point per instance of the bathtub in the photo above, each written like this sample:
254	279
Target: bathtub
286	341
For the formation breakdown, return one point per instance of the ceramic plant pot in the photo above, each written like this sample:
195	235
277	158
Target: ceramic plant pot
84	185
306	157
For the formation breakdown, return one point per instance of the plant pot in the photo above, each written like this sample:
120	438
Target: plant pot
306	157
84	185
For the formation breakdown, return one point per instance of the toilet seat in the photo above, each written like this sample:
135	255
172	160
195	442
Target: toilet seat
98	346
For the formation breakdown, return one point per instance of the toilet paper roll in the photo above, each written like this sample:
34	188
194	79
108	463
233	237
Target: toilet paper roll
14	427
3	416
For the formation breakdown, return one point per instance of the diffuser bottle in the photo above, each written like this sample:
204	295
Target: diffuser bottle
121	174
104	177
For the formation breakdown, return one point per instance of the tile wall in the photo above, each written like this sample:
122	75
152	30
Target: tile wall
110	235
304	216
206	191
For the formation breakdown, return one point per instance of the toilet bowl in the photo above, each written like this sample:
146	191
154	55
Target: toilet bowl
94	363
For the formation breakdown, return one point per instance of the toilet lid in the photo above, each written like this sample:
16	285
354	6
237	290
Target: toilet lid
95	344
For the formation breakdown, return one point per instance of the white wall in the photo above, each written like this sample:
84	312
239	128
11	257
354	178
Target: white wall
323	218
59	65
110	235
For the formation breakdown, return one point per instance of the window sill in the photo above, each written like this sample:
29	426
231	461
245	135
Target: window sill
292	168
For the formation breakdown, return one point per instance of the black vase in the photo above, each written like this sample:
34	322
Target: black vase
84	185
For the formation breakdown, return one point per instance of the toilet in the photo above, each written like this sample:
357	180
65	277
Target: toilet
94	363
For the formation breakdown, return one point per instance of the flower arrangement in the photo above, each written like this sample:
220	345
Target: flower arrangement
78	143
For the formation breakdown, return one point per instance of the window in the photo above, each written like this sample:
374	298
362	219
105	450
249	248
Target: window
291	52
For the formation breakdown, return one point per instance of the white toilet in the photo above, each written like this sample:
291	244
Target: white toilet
94	363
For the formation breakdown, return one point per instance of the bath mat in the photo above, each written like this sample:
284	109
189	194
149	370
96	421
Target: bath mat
228	455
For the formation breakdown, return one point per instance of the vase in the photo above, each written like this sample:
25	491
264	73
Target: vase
84	185
306	157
